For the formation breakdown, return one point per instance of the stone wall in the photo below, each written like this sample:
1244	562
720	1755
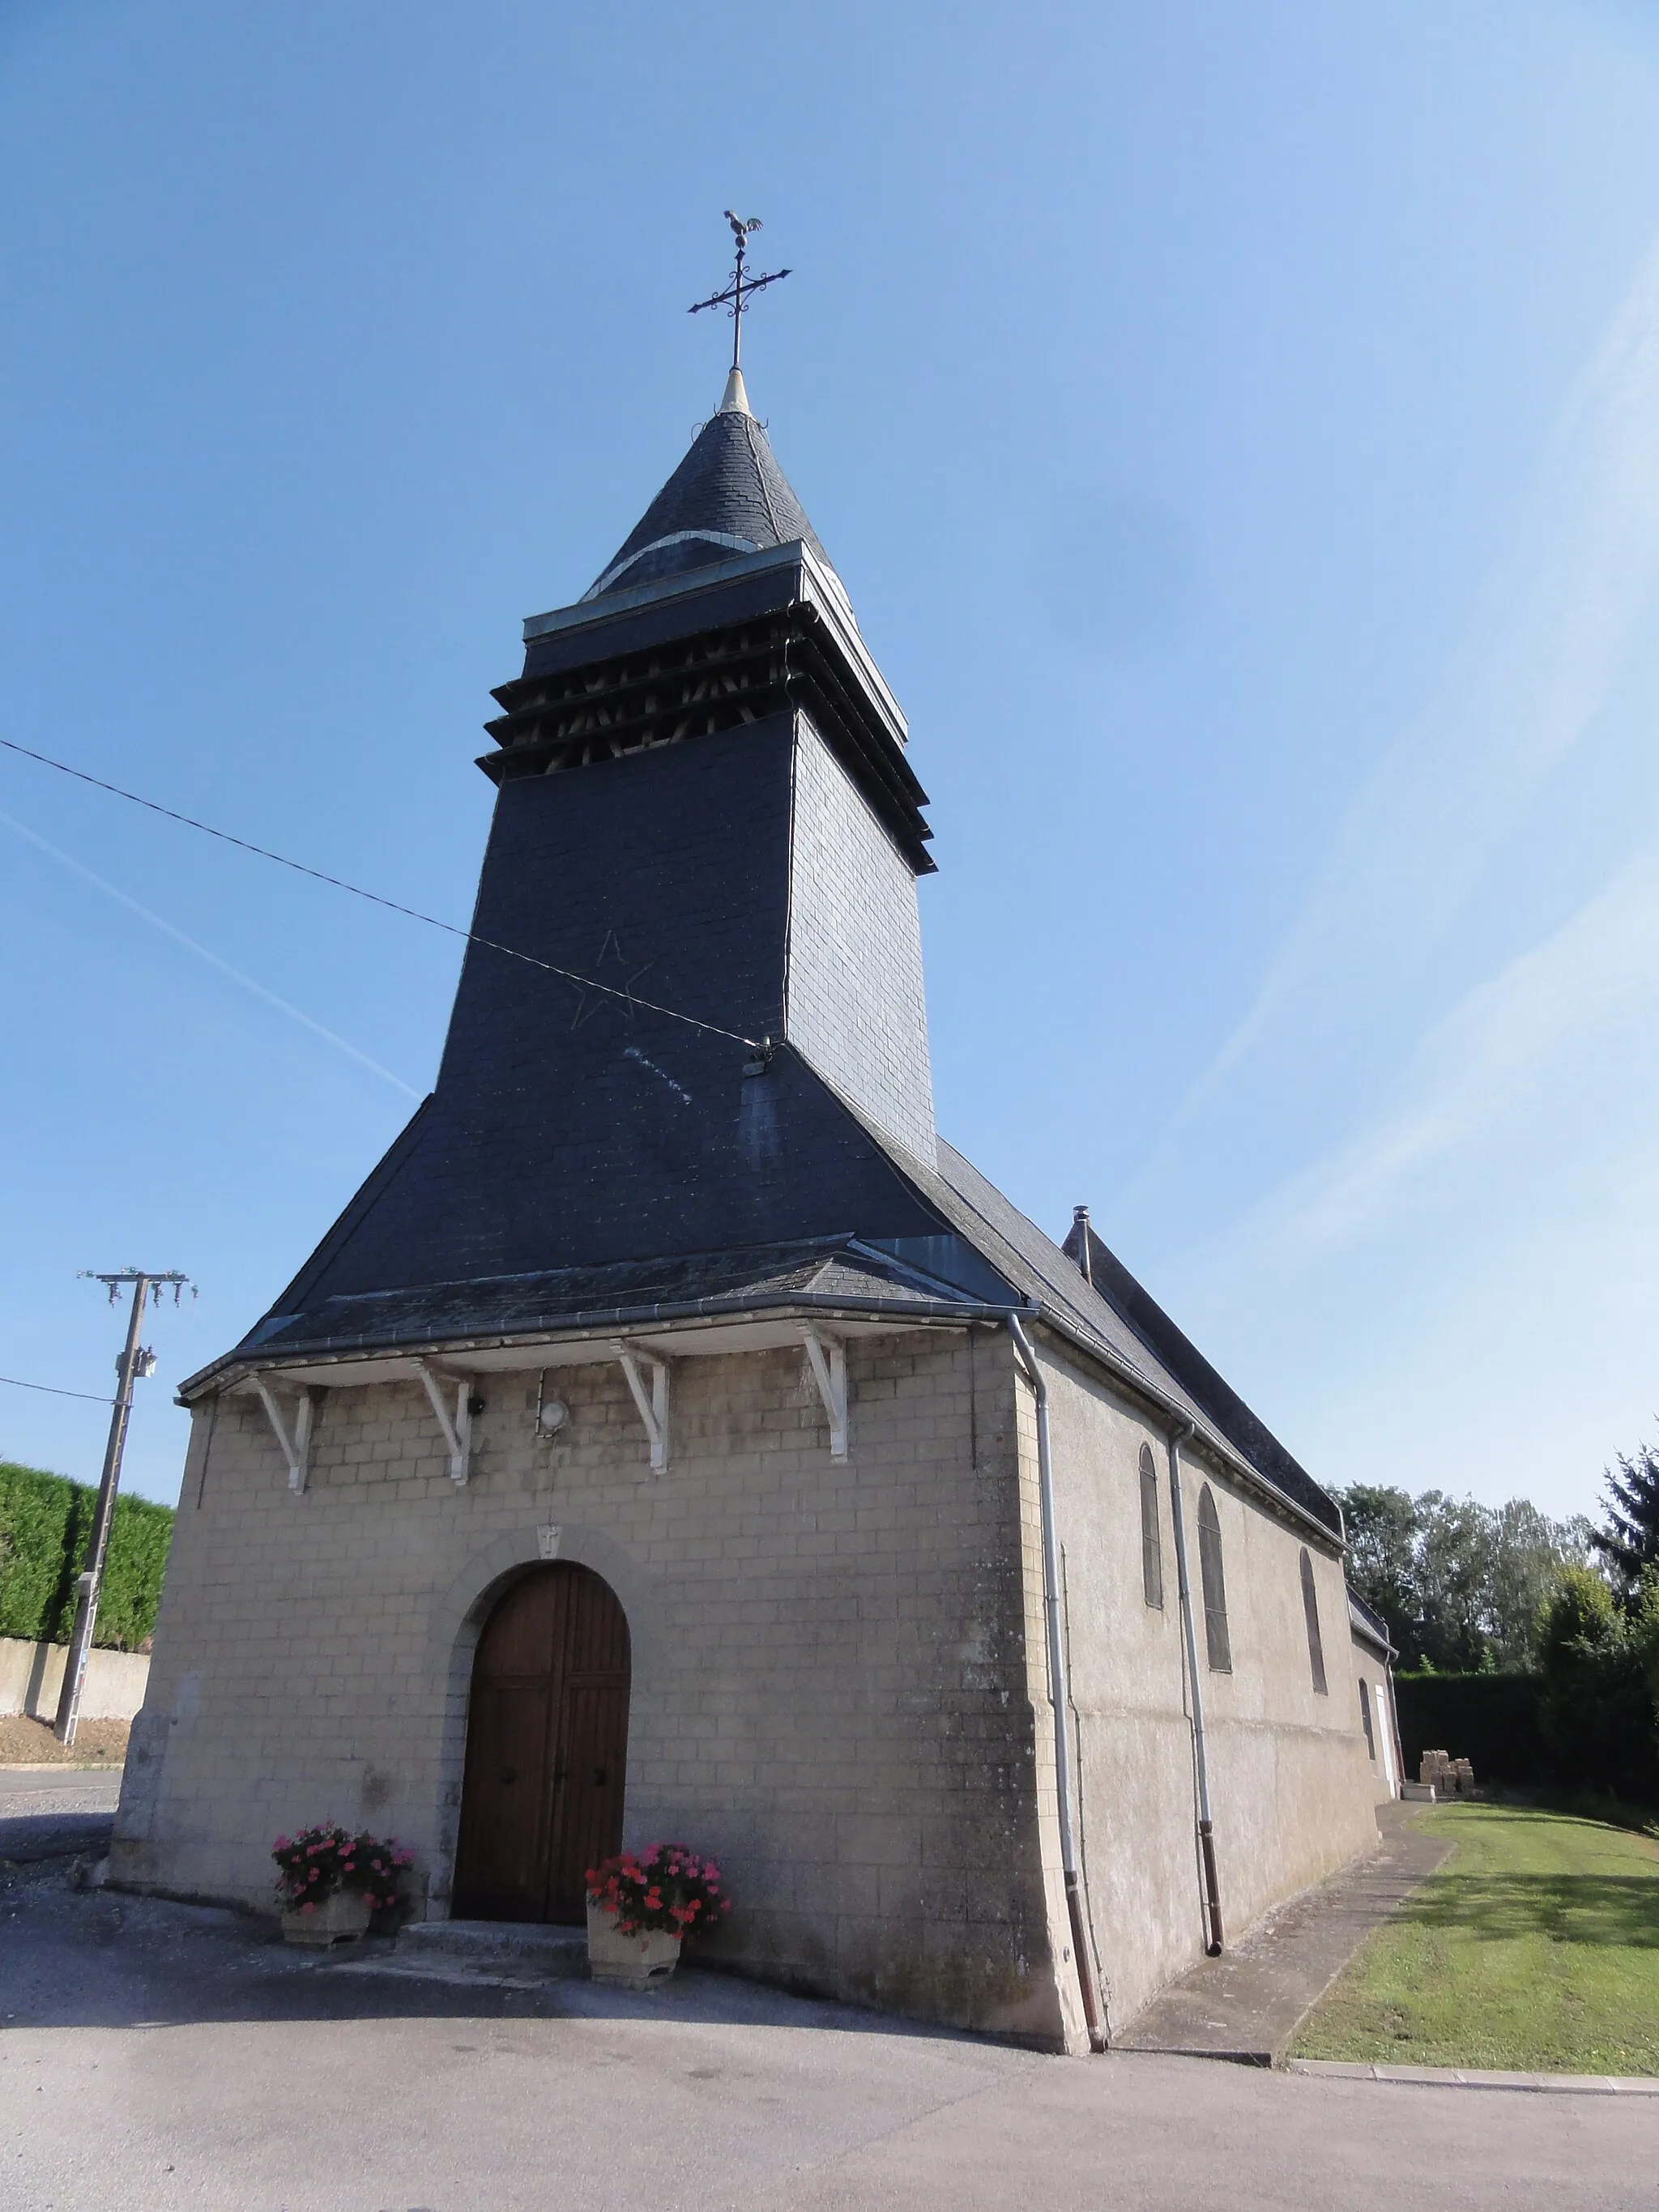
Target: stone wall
839	1676
1289	1779
1365	1666
32	1675
831	1683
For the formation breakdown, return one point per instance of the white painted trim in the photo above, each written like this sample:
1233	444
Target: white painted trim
653	1406
458	1433
295	1449
674	537
828	1356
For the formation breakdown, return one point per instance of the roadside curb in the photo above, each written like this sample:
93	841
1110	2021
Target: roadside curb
58	1766
1456	2077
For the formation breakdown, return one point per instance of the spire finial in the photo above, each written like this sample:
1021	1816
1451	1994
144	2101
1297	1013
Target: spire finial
736	296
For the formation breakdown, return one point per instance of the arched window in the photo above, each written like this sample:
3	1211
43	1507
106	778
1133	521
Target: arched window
1152	1544
1215	1585
1311	1608
1366	1720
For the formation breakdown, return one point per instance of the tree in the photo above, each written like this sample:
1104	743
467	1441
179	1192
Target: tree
1382	1525
1454	1580
1630	1543
1529	1551
1597	1711
1460	1584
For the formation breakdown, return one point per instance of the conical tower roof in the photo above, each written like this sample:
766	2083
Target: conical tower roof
728	495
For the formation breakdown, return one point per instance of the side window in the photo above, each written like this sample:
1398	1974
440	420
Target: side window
1311	1608
1215	1584
1366	1720
1152	1544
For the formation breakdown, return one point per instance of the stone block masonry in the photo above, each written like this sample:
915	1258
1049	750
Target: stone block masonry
831	1685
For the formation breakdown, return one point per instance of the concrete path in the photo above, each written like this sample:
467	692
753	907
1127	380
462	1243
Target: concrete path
1248	2004
166	2058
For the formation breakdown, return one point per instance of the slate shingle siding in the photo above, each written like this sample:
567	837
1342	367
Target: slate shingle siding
730	482
567	1131
856	1006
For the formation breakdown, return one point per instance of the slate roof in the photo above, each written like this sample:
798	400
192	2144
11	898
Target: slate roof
1368	1624
1220	1404
1114	1314
983	1256
828	1271
728	495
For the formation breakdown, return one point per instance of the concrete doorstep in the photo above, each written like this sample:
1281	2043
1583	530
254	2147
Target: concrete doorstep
498	1953
1247	2005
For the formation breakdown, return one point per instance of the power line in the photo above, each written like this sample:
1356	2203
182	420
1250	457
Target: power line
51	1391
339	884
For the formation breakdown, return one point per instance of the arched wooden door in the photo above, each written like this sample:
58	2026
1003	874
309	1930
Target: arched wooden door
546	1749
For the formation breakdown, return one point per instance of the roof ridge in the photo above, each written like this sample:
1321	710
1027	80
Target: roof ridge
752	430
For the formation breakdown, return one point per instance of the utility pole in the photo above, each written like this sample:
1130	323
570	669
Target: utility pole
133	1362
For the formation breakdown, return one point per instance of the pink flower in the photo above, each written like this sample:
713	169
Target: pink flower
307	1908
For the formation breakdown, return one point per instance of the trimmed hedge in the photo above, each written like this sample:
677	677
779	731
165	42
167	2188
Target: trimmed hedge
1494	1721
45	1522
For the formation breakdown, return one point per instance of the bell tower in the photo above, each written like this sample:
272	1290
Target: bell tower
696	1019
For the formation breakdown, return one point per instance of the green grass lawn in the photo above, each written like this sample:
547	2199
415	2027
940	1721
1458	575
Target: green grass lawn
1535	1947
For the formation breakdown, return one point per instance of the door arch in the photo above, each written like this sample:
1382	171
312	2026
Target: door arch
546	1748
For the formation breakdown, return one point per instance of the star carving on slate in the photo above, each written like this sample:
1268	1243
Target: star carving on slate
613	985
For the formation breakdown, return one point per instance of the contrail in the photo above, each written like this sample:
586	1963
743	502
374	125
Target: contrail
1528	686
294	1013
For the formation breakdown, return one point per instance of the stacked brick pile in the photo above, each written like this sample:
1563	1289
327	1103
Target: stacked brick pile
1449	1777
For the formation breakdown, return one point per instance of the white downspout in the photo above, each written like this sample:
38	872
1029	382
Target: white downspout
1201	1761
1060	1692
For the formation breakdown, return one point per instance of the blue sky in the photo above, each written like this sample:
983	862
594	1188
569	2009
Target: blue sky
1238	429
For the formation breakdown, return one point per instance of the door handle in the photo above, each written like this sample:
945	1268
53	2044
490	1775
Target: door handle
598	1777
510	1774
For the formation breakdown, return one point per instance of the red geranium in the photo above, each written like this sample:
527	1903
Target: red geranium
317	1862
665	1889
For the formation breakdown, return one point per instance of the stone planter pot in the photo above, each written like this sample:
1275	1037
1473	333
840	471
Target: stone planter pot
339	1918
628	1962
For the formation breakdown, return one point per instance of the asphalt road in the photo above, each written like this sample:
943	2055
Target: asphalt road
157	2056
48	1811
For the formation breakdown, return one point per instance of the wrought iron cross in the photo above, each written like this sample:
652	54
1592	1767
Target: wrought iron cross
736	296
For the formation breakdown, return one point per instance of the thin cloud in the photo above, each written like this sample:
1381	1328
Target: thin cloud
1557	625
1594	982
236	975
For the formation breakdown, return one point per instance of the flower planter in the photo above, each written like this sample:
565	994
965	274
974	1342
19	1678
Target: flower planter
338	1919
628	1962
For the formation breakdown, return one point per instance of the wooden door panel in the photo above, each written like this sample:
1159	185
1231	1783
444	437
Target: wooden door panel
587	1793
547	1748
504	1803
518	1637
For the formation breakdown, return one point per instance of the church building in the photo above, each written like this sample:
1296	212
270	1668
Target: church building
676	1438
